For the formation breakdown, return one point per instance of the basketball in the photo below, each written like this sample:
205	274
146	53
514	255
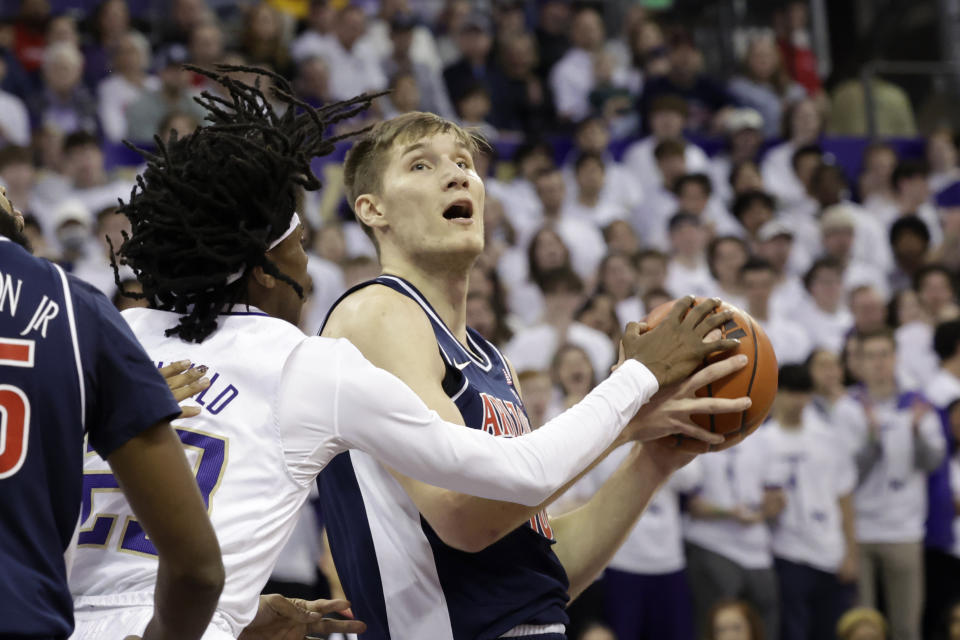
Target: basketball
758	380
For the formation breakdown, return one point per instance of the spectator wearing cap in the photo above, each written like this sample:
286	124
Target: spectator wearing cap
911	188
941	154
667	121
838	225
521	100
473	65
354	65
64	102
790	341
765	85
823	313
775	244
573	78
705	97
71	223
948	209
433	93
802	126
173	94
378	36
126	85
744	140
688	271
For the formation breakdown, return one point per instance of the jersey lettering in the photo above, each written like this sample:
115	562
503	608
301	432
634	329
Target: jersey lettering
46	311
14	405
8	296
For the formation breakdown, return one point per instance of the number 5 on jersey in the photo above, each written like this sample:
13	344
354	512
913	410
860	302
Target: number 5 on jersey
14	408
208	470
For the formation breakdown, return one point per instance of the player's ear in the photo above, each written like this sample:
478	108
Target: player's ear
369	209
262	278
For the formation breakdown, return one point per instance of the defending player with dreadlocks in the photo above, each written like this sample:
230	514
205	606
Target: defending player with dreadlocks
215	241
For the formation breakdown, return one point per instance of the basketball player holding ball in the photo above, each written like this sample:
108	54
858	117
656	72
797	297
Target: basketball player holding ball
422	562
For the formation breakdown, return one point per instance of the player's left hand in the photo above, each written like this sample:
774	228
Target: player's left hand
185	381
280	618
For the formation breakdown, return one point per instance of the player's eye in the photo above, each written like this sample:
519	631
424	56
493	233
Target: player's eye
419	166
463	164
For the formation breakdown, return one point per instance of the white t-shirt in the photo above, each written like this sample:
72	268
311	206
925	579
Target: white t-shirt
279	407
790	341
683	280
819	470
825	329
917	362
943	388
533	348
845	418
642	164
737	477
891	501
779	178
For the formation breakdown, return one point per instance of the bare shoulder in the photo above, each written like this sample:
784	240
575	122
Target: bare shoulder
388	328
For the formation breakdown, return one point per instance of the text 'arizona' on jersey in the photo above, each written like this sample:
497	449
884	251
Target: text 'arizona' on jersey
402	580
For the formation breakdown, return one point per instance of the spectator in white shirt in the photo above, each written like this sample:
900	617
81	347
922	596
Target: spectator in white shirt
876	184
728	541
869	309
942	159
95	266
744	176
937	295
617	277
378	37
587	203
354	68
831	404
838	228
744	129
910	245
600	312
620	186
823	314
621	238
668	119
814	541
790	341
775	245
524	271
84	167
433	92
905	443
660	202
803	124
688	272
651	271
726	255
911	186
519	196
320	18
14	117
128	82
533	348
573	377
753	209
695	195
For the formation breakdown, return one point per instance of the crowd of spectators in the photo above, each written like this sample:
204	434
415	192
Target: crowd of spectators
621	174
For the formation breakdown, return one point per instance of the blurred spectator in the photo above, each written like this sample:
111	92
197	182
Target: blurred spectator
573	377
126	85
941	155
728	540
573	78
19	177
519	196
354	67
868	307
726	255
64	102
313	81
656	297
552	32
862	623
71	225
744	177
533	347
29	33
765	84
911	187
814	541
621	238
910	243
667	120
688	272
775	245
537	394
651	272
144	115
802	126
206	47
744	129
652	214
546	252
753	209
831	404
734	620
706	98
588	203
95	267
319	29
823	314
936	290
183	18
63	28
620	189
473	64
650	57
404	95
84	168
38	243
14	117
793	38
612	95
948	209
905	444
876	181
264	39
520	99
377	38
599	312
473	108
695	195
433	93
893	113
838	228
183	123
111	21
789	338
617	277
450	22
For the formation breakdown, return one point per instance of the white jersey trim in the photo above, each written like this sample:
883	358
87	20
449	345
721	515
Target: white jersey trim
71	320
525	630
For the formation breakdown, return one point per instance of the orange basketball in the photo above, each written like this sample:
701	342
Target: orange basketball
758	380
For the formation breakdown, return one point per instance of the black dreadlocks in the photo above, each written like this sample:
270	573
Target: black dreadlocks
209	204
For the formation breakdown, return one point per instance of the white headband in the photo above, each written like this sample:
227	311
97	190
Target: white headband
294	223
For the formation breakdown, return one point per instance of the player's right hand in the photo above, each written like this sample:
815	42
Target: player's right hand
280	618
675	347
185	381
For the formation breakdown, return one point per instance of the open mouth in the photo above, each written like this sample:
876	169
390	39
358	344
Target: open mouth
459	210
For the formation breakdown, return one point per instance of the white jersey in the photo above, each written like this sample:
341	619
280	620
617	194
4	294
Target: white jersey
737	477
819	470
279	407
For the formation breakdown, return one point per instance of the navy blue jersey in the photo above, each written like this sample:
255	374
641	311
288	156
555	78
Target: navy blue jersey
68	364
406	583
